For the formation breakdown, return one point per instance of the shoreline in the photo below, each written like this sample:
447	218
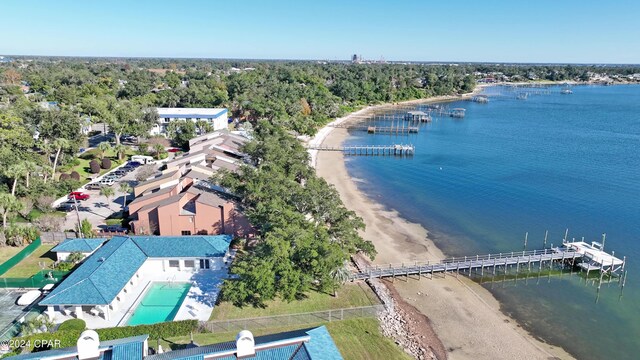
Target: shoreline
458	310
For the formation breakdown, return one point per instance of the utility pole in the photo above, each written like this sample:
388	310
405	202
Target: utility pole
75	202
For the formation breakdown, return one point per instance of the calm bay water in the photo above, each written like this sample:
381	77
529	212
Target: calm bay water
512	166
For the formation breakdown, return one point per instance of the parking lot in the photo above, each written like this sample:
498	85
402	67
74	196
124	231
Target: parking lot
97	208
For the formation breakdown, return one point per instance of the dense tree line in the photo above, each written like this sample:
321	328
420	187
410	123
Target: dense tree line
306	232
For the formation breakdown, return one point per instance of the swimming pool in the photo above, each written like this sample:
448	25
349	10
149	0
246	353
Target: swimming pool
160	303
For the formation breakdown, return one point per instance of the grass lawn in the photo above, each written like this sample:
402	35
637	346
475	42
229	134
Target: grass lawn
355	338
7	252
83	167
350	295
30	266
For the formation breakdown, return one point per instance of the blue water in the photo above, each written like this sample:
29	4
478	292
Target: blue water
512	166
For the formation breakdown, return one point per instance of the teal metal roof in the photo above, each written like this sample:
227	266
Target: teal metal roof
102	275
306	344
183	246
129	351
130	348
82	245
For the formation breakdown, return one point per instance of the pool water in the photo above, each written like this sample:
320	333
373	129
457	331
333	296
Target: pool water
160	303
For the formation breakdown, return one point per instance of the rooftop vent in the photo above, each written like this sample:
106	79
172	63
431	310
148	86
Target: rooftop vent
245	345
88	345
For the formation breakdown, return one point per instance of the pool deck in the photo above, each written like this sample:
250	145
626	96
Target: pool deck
198	304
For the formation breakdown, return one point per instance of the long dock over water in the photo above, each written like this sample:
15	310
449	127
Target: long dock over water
375	150
380	129
585	256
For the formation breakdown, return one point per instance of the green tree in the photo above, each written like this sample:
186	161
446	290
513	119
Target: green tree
203	127
125	188
120	151
107	192
15	139
15	172
60	144
30	167
8	204
86	228
306	232
158	149
104	147
75	257
181	132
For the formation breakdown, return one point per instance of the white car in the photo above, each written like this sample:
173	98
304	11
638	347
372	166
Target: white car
106	182
29	297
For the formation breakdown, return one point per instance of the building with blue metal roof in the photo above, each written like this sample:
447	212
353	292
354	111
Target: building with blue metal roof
116	274
84	246
131	348
216	117
306	344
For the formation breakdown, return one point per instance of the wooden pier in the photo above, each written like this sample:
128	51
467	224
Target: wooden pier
479	262
574	253
380	129
370	150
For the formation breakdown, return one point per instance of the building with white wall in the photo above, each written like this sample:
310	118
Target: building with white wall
216	117
83	246
106	285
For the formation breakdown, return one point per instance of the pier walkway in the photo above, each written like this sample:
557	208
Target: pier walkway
380	129
379	150
570	252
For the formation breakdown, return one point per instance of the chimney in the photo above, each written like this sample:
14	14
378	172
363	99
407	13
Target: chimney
245	345
88	345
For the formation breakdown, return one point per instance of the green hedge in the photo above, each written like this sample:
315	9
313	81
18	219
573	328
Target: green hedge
69	337
73	324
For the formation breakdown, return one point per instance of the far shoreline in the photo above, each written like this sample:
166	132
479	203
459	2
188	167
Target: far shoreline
455	307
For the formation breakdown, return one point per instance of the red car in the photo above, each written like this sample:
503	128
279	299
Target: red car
78	195
173	150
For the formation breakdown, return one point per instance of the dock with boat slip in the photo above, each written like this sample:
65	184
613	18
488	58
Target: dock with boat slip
370	150
399	130
587	257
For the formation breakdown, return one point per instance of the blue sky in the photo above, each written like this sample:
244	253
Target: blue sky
446	30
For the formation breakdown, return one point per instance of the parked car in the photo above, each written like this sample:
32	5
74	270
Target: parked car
173	150
133	164
120	172
67	206
92	186
106	182
78	195
129	138
114	228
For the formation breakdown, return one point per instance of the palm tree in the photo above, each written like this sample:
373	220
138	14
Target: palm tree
120	150
340	275
15	172
104	147
158	149
125	188
45	170
107	192
30	167
59	144
8	204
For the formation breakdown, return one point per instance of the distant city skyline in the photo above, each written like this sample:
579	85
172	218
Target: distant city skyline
545	31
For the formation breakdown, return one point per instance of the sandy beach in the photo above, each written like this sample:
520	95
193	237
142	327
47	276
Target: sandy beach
465	316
